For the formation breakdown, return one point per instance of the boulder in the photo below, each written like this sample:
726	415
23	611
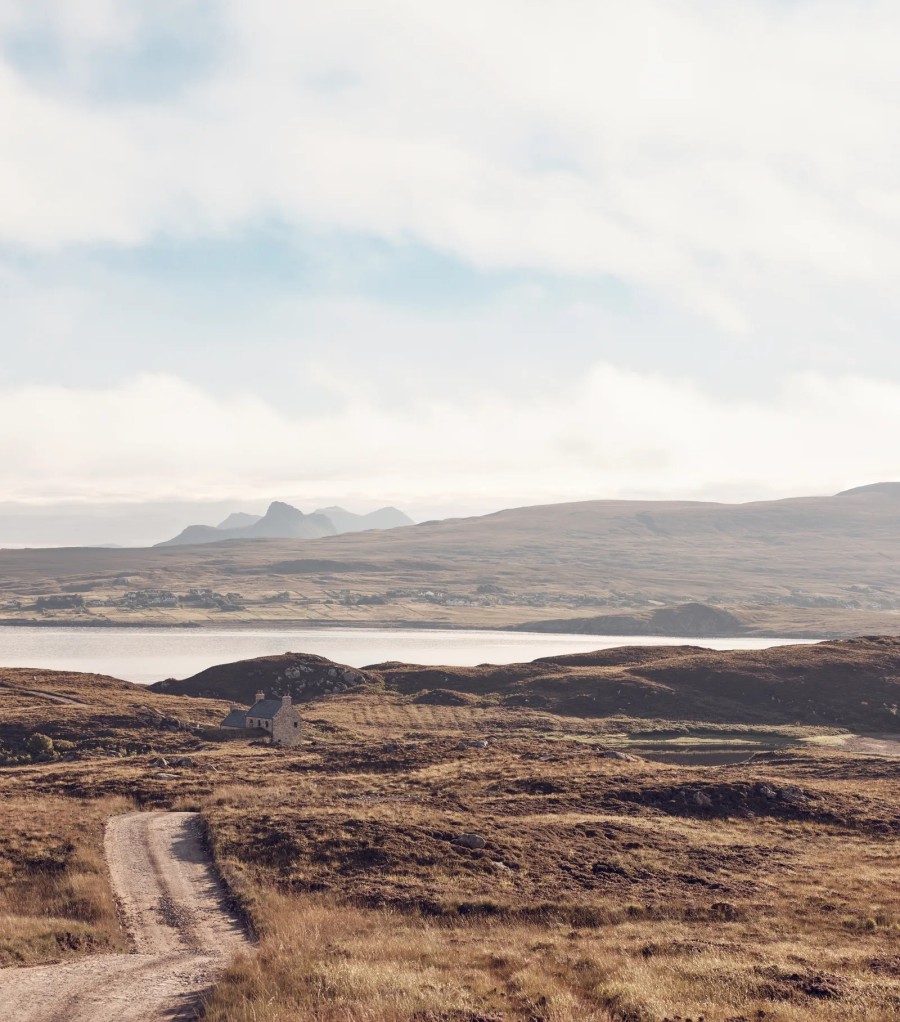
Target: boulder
470	840
472	743
793	796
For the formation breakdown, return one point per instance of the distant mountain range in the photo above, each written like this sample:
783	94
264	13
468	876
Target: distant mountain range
798	567
282	521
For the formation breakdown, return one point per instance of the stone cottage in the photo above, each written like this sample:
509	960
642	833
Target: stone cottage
275	717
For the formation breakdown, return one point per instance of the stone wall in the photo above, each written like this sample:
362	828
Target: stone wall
286	726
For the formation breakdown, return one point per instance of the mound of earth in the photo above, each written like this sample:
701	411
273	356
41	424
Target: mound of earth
303	676
444	697
696	619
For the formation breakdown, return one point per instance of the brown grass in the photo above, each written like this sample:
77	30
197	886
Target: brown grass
55	899
327	962
610	903
607	889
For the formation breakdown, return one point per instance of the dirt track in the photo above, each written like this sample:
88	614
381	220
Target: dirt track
174	911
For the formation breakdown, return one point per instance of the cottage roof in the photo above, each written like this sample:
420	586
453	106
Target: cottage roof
237	718
265	708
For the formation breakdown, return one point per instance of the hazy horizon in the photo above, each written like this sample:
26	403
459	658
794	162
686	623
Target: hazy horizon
140	523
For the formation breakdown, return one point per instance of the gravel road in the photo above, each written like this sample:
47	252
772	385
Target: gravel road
182	933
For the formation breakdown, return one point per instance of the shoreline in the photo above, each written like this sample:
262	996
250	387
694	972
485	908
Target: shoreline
305	624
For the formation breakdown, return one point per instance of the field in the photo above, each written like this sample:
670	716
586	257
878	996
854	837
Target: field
456	862
816	566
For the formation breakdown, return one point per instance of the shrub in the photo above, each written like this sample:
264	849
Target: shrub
40	746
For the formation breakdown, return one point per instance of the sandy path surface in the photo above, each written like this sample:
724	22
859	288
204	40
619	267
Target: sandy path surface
174	909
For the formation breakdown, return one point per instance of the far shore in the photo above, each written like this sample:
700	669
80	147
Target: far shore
307	624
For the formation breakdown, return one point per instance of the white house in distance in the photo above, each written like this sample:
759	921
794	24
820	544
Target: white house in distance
275	717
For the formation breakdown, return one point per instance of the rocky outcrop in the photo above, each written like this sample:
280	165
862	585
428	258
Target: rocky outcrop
303	676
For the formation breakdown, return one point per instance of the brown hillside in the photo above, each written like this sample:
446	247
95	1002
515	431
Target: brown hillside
94	714
853	683
810	565
304	676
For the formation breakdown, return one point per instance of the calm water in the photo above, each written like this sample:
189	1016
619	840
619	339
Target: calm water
149	654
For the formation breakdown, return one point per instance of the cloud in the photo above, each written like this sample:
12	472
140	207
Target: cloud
616	434
708	155
639	201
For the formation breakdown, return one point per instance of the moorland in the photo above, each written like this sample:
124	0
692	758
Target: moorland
812	566
632	835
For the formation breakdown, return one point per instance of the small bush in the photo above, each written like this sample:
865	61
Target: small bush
40	747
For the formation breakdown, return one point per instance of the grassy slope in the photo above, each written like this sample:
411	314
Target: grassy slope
55	899
853	683
608	889
797	566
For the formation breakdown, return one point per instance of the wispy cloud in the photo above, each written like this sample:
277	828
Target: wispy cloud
721	181
617	433
691	149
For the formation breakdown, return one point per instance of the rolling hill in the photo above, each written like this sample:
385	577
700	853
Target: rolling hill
815	566
850	683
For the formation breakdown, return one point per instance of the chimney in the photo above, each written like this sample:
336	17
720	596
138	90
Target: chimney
260	696
285	700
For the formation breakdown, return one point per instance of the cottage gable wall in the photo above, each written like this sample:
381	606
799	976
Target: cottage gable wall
286	726
282	721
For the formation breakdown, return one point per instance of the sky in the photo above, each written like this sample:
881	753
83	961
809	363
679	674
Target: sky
451	257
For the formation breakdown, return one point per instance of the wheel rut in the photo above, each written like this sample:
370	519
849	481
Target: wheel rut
181	929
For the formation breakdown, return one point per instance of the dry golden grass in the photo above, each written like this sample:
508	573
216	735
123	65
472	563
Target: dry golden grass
608	890
55	899
610	903
328	962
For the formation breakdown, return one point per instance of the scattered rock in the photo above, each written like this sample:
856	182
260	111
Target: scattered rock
470	840
472	743
163	776
793	796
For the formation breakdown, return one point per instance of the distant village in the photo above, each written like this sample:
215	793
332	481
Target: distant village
483	595
209	599
138	599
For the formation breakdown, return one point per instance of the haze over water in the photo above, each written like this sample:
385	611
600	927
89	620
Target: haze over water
146	655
